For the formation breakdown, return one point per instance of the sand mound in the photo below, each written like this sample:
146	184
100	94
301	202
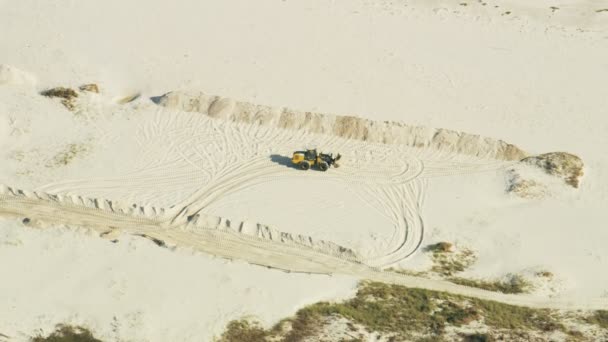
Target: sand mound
539	176
560	164
10	75
343	126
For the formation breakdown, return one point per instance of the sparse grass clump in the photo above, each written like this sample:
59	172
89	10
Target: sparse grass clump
544	274
64	93
447	262
407	272
67	333
440	247
67	96
513	285
69	153
91	87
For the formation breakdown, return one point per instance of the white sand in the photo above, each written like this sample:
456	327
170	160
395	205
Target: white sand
533	78
133	290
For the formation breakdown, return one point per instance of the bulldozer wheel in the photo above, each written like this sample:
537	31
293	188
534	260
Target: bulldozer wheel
304	165
323	166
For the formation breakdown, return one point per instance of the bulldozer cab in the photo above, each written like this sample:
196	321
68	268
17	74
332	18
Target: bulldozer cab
310	154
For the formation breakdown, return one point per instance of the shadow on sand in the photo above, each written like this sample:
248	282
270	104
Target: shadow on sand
156	99
282	160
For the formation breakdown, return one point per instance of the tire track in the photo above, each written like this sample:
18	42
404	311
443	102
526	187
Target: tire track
210	159
225	239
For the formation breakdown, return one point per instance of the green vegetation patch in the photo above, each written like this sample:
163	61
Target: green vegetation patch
502	316
600	318
401	312
67	333
244	331
513	285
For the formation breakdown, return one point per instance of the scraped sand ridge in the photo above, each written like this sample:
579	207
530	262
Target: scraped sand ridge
343	126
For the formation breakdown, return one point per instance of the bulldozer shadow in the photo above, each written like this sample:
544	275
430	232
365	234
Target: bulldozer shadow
283	160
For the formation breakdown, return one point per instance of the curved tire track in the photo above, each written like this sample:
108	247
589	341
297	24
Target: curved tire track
224	241
223	158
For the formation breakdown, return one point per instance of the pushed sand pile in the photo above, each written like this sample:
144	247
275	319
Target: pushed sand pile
349	127
74	207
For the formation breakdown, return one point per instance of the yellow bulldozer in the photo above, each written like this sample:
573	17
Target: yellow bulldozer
310	158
